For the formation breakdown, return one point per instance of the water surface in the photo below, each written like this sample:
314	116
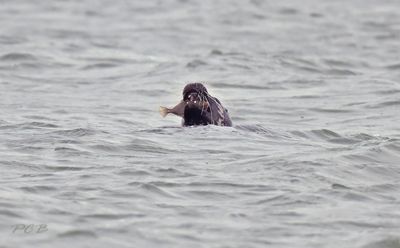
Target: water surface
313	89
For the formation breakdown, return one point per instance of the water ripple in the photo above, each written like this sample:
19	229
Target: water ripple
78	234
78	132
18	57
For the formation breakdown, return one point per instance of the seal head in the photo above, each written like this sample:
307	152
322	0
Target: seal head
201	108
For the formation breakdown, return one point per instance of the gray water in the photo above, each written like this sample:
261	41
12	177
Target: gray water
313	158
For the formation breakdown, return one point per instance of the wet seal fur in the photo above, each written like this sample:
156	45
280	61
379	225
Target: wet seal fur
198	107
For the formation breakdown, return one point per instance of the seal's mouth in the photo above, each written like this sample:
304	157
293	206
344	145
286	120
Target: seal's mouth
196	110
196	100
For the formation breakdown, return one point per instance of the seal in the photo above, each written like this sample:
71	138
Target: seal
198	107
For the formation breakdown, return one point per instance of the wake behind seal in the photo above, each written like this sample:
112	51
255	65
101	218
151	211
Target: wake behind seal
198	107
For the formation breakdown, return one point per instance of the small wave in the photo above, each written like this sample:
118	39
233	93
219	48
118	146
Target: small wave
63	168
325	133
375	24
163	130
216	52
77	233
394	67
146	146
386	104
387	37
38	189
18	57
364	137
77	132
333	62
259	129
69	151
133	172
67	34
333	137
377	152
384	188
390	242
393	146
39	117
239	65
9	213
29	65
22	165
388	92
41	124
69	141
99	66
300	64
12	40
229	185
208	195
341	72
147	188
358	224
357	196
288	11
196	63
29	125
172	173
37	175
271	200
316	15
106	147
306	97
111	216
339	186
333	111
241	86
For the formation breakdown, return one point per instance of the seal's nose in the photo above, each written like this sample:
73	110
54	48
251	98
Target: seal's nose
193	97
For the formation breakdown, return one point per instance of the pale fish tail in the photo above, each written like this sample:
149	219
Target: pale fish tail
163	111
